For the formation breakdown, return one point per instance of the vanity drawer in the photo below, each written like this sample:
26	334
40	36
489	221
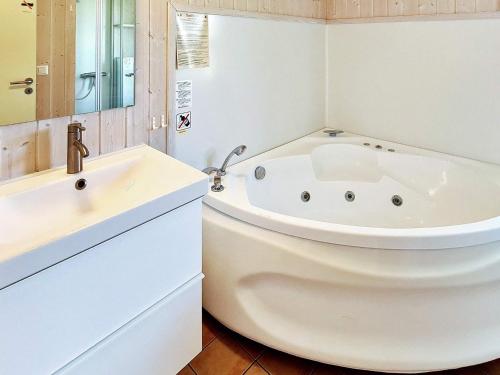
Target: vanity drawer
50	318
160	341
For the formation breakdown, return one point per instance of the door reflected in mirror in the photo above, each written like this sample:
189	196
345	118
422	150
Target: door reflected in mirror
64	57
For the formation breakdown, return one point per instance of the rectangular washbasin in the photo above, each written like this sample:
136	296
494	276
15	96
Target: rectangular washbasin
45	219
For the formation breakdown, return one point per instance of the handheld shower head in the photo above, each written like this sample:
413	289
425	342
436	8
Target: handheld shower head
238	151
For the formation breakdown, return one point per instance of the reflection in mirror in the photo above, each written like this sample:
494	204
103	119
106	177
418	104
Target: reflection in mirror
105	47
64	57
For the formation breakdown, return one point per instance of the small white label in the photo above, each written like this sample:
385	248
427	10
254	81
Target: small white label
183	122
42	70
184	94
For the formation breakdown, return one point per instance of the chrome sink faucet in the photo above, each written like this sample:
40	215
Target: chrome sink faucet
219	172
77	151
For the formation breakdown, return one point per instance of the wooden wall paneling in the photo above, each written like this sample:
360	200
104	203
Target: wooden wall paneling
427	7
395	7
138	115
312	9
380	8
274	7
212	4
319	9
56	33
69	56
264	6
353	9
283	7
226	4
199	3
366	8
57	59
171	67
253	5
92	134
340	8
43	25
17	150
466	6
113	130
51	143
300	8
240	5
486	5
344	9
445	6
412	7
330	10
157	74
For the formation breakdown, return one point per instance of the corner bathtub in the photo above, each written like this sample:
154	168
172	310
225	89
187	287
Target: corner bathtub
361	279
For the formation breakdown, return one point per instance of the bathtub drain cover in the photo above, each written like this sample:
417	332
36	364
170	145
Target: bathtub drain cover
397	200
305	196
350	196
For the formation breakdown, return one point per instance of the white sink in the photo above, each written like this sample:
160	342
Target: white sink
45	219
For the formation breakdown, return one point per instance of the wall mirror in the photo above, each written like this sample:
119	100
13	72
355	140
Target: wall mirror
64	57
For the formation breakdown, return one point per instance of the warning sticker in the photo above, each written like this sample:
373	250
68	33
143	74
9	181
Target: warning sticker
184	94
183	122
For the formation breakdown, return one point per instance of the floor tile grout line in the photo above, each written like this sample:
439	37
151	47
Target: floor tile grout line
250	354
248	368
262	367
202	350
208	344
192	369
255	362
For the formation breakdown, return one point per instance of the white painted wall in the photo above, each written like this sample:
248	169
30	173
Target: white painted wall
265	87
434	85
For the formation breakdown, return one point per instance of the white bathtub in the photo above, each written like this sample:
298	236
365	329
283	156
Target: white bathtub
360	283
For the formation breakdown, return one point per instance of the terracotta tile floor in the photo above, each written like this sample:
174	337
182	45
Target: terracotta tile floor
227	353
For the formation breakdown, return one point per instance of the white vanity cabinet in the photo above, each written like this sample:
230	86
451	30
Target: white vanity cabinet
128	305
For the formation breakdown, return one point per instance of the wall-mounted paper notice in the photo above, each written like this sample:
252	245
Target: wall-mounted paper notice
192	41
184	94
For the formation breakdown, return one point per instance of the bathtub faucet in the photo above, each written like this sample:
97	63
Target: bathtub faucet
222	170
219	172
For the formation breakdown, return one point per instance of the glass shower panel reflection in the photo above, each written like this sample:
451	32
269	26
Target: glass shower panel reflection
119	37
126	86
86	56
111	82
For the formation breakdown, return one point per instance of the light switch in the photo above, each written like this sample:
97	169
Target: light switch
42	70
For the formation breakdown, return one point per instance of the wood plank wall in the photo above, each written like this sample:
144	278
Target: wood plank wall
310	9
368	9
56	28
346	9
39	145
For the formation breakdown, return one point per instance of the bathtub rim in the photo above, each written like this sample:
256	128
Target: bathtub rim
427	238
433	238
